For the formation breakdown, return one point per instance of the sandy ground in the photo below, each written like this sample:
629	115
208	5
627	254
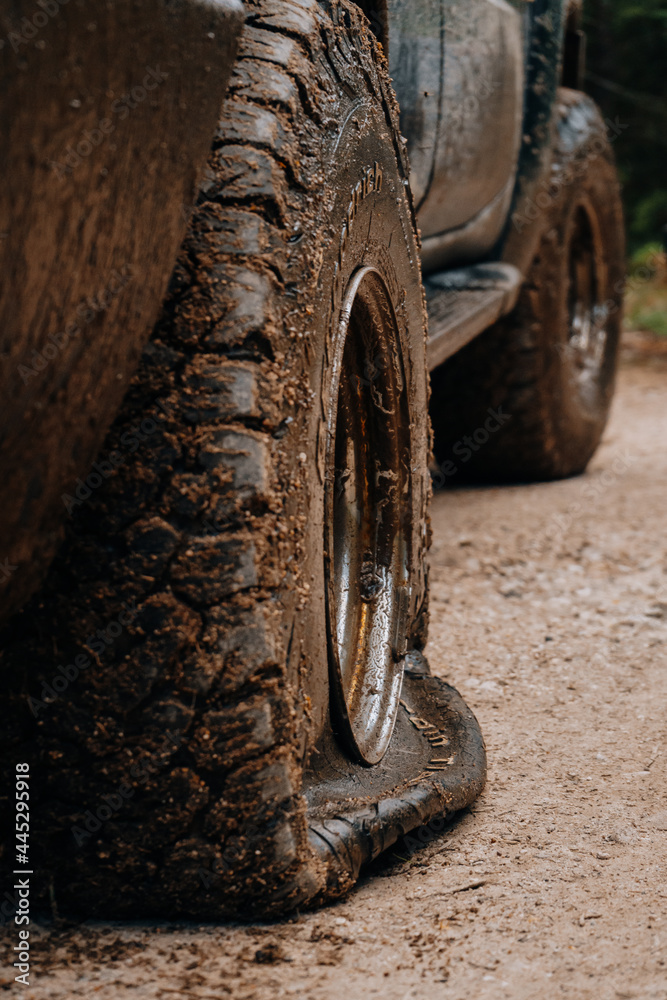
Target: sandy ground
550	615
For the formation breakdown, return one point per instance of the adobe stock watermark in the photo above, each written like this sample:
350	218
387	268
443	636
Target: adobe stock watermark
467	109
235	848
551	188
86	312
6	570
423	835
471	104
103	468
601	313
142	770
97	643
469	444
45	11
591	492
75	153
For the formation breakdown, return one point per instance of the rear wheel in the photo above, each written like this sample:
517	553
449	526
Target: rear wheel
248	583
546	372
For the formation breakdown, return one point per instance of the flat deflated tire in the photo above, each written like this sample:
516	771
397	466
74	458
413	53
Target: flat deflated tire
244	575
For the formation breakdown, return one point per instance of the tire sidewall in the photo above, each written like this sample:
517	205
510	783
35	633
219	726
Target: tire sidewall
578	422
364	220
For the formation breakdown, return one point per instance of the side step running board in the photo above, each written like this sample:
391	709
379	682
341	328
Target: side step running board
463	303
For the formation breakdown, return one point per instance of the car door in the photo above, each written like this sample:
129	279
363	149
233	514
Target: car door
458	69
416	63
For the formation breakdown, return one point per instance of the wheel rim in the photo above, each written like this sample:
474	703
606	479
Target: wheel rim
367	520
588	335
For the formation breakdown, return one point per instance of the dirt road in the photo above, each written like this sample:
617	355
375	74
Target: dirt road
550	615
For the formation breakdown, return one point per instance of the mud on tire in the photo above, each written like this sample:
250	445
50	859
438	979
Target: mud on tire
550	365
168	683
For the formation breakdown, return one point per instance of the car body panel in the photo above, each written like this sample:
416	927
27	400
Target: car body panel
476	83
106	120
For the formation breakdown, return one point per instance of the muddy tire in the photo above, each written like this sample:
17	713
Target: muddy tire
529	398
191	645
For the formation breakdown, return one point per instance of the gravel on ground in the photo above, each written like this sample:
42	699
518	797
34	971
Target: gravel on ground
549	613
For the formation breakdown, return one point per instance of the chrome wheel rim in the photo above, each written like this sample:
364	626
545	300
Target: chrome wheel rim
367	520
587	315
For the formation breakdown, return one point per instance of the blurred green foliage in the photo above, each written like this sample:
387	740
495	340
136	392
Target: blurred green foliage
627	76
646	290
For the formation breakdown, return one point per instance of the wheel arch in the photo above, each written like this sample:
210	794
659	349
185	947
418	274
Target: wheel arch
552	30
574	47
